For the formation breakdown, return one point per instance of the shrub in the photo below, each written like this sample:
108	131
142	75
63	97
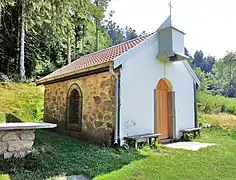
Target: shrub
215	104
21	102
222	120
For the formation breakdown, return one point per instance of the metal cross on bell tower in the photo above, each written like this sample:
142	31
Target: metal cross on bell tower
170	7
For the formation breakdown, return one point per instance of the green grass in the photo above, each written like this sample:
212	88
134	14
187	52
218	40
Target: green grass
4	177
216	162
62	155
21	102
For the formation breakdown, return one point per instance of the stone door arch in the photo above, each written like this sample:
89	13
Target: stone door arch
74	108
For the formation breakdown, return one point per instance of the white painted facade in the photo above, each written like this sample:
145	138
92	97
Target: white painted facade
140	73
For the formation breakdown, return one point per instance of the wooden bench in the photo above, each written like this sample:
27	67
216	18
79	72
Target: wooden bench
135	138
191	130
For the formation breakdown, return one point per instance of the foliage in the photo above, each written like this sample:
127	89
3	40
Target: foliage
217	77
21	102
4	177
204	63
224	73
215	104
55	31
119	35
222	120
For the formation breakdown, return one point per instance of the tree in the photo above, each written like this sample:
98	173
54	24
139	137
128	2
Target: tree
208	63
51	33
130	33
230	61
101	6
198	58
22	42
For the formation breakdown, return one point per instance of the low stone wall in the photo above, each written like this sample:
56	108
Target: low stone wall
16	143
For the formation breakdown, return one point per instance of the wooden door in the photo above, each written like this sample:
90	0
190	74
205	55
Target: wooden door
162	109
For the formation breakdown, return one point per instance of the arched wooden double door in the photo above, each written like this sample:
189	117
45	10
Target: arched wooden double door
162	109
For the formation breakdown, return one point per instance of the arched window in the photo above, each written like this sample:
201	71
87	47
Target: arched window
74	109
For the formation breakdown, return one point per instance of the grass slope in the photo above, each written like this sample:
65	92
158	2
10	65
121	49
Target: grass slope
21	102
61	155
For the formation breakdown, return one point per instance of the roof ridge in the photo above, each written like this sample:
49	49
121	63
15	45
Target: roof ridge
101	50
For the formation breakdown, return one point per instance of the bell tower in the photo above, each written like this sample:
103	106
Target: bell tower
170	41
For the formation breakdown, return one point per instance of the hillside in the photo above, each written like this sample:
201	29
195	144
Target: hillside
24	102
217	110
21	102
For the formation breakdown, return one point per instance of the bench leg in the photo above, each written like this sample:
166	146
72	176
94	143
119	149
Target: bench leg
199	132
135	144
183	136
194	134
150	141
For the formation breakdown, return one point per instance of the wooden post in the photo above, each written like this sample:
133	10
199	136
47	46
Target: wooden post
171	115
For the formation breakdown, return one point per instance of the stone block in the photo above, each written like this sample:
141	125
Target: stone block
3	147
19	145
27	135
2	133
8	155
20	154
98	123
10	136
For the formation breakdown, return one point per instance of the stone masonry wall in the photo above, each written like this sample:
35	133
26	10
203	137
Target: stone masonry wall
98	106
16	143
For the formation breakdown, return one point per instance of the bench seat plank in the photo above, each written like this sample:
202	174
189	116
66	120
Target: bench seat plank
135	137
190	130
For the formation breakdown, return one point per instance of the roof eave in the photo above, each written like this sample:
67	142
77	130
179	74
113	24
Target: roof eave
191	72
71	74
119	60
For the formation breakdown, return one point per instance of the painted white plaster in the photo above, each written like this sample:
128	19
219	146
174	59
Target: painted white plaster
140	74
178	41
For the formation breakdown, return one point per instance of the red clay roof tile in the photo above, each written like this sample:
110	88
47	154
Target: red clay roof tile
96	58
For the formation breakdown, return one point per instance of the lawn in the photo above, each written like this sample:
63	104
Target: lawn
216	162
62	155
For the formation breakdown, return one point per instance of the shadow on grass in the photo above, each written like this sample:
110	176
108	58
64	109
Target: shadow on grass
10	118
62	155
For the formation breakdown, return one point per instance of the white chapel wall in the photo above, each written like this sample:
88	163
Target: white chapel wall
139	77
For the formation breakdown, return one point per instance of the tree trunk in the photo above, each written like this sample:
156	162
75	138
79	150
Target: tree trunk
22	42
97	36
0	19
75	48
18	37
97	24
82	46
68	49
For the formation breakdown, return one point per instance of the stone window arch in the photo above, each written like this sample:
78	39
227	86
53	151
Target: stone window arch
74	108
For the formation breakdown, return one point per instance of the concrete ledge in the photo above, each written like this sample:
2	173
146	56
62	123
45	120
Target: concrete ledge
25	126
